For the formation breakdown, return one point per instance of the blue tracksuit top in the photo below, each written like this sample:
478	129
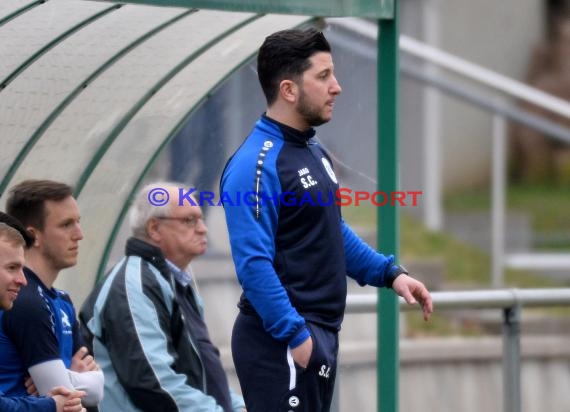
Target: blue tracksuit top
26	404
41	327
291	249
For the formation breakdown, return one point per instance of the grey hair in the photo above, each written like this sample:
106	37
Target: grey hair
142	209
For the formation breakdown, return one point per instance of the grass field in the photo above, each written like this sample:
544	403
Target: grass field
548	207
466	267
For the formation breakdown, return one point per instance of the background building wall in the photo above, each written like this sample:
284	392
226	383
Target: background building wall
497	35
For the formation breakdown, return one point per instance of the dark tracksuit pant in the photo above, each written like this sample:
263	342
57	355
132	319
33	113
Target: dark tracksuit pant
270	380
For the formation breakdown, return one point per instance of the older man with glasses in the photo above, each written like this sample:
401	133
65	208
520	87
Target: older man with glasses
145	319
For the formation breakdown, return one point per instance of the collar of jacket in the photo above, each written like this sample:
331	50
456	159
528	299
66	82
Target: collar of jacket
291	134
148	252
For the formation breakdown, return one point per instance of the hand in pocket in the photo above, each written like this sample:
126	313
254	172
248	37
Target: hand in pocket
302	353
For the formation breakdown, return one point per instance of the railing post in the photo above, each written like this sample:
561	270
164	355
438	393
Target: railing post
433	210
511	359
498	200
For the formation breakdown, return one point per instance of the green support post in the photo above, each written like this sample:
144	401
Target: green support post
388	221
387	13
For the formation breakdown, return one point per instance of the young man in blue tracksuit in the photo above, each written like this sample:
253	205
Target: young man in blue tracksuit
290	246
13	237
39	336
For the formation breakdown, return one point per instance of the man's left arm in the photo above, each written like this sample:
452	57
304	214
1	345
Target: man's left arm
369	267
44	375
29	327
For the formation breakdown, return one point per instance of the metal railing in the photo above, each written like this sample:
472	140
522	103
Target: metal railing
510	301
501	111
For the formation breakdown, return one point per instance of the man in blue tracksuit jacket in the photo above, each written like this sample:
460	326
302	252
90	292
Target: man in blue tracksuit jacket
290	246
13	239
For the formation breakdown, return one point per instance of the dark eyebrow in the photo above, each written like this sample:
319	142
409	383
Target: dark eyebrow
326	71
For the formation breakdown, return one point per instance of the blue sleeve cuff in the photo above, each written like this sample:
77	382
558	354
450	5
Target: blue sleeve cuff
299	338
395	271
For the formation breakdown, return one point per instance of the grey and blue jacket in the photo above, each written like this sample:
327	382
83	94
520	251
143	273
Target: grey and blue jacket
291	248
150	339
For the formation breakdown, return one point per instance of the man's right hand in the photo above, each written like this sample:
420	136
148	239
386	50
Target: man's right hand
82	361
67	400
302	353
31	387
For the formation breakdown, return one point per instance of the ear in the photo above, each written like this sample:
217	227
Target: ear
288	90
152	229
35	233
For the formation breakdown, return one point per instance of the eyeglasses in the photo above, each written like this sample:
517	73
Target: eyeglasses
190	222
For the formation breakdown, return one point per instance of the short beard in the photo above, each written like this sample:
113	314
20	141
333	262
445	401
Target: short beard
310	114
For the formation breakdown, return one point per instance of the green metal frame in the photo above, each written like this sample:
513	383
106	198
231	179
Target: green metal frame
4	82
329	8
386	11
125	120
388	219
28	147
19	10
